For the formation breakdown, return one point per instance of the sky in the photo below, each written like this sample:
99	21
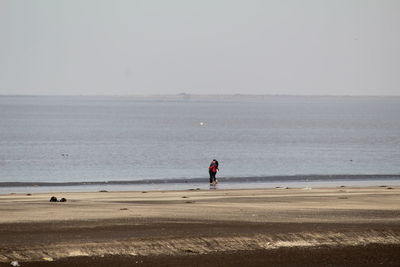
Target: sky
134	47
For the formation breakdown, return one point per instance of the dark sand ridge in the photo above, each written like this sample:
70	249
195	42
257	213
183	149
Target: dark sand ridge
194	223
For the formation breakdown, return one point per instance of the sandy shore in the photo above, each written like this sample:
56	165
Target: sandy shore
204	228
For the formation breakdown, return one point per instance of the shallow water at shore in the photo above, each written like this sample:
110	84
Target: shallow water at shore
201	186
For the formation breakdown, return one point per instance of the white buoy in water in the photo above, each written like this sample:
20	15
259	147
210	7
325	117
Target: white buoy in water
202	123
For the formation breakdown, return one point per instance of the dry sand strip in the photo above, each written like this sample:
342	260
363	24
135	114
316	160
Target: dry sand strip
195	222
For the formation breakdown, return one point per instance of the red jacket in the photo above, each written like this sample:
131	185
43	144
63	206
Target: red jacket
212	168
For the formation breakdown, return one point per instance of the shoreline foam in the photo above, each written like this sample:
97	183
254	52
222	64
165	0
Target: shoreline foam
256	182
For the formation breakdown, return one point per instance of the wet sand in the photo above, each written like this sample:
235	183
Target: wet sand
366	256
301	227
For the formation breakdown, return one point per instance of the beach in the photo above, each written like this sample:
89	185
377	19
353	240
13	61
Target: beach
252	227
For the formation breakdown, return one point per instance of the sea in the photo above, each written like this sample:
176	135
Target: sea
91	143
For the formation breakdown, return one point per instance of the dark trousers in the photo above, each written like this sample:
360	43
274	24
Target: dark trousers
212	176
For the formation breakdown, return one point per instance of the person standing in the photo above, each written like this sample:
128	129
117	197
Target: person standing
212	170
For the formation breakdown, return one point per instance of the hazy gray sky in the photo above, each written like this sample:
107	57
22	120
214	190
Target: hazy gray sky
340	47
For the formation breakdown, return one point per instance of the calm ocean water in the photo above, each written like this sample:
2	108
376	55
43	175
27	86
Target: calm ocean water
83	139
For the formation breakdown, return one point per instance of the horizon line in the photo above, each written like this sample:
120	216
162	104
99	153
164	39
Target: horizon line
189	94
